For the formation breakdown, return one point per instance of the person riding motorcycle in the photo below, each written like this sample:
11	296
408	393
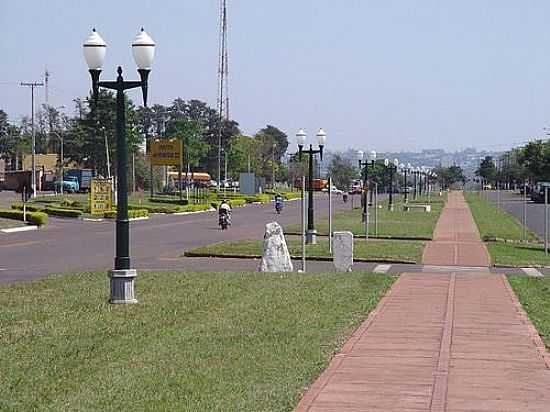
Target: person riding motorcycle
279	201
224	212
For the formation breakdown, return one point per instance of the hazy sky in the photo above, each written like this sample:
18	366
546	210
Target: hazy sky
383	74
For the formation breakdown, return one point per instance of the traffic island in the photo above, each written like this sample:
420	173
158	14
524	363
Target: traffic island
383	251
396	224
207	341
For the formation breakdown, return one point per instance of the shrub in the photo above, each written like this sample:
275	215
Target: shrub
57	211
132	213
169	201
30	208
36	218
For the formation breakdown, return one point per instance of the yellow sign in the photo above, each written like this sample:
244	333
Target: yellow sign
101	195
166	152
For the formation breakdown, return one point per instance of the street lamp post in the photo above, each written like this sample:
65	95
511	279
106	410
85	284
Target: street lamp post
311	234
363	166
122	277
61	162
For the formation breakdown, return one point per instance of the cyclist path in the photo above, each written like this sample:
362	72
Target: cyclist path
441	342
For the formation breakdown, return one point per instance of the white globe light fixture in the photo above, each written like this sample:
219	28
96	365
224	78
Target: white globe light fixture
360	154
94	48
373	156
143	49
301	137
321	137
386	162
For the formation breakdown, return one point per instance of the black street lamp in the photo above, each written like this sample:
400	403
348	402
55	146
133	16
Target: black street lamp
143	48
311	234
391	168
363	166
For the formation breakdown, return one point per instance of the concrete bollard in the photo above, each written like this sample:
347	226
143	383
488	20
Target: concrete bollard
342	247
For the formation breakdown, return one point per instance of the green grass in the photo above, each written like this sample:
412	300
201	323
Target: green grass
7	223
493	222
195	342
534	295
518	254
374	250
400	224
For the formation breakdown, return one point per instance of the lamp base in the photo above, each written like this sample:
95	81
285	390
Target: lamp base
122	286
311	237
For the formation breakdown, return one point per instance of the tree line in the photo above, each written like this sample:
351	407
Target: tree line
89	137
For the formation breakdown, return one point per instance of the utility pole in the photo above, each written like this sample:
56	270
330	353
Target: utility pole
32	85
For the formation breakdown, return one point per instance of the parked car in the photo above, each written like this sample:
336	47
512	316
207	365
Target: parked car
537	193
70	184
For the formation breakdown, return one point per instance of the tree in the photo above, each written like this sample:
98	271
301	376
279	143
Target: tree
190	131
449	176
271	145
242	156
342	172
487	169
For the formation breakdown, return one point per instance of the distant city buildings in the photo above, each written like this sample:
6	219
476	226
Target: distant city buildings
468	159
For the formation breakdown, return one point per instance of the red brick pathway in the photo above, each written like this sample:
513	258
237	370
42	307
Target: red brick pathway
441	342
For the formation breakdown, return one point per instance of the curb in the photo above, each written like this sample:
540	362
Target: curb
355	236
19	229
295	257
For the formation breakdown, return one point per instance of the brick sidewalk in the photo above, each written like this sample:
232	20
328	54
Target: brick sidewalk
441	342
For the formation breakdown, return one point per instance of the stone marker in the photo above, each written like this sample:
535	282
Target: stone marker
342	249
275	257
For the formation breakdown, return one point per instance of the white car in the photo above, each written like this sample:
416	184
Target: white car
333	189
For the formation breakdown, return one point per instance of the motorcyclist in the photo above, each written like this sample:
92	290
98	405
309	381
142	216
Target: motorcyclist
225	209
279	200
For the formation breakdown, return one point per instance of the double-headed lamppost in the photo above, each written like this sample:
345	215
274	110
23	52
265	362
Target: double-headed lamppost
391	168
311	234
143	48
363	166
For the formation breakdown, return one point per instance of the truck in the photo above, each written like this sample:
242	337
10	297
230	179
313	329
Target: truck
83	176
537	193
70	184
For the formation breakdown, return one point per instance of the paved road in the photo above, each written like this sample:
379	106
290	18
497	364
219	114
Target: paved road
66	245
513	204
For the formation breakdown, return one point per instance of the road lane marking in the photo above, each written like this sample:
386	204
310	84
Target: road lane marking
382	268
31	242
532	272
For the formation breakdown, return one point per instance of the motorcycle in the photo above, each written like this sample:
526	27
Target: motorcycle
278	207
224	220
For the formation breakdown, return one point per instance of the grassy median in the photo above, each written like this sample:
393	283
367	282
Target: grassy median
495	226
195	342
371	250
493	222
534	295
391	224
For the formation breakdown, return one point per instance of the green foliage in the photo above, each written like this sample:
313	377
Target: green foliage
487	169
449	176
55	211
342	172
132	213
36	218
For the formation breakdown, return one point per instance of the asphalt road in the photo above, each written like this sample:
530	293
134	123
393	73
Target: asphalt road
512	202
67	245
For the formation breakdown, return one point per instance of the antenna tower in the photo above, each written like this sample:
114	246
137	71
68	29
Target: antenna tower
223	82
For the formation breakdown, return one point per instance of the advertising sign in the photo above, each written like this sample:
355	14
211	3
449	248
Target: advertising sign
100	195
166	152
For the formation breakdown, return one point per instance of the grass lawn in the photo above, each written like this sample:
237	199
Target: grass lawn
398	223
494	222
374	250
7	223
534	295
195	342
518	254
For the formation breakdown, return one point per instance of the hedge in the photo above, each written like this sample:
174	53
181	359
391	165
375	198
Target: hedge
177	202
57	211
132	214
232	203
36	218
30	208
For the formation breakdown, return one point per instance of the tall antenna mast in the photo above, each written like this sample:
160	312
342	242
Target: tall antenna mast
223	82
46	78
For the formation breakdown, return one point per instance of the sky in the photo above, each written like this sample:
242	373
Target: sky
389	75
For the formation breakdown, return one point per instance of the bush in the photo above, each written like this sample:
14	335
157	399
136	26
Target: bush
36	218
57	211
155	209
30	208
233	203
169	201
132	213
